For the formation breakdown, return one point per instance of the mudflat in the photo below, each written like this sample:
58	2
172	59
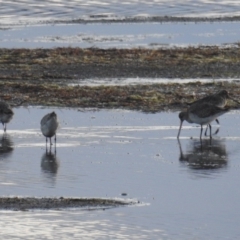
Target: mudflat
42	76
24	204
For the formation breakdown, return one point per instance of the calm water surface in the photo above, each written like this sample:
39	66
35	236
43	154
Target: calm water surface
25	11
187	190
32	24
119	35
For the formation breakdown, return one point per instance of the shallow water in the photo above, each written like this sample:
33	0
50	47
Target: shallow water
25	11
119	35
187	190
23	24
145	81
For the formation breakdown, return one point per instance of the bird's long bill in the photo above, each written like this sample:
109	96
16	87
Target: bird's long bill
180	127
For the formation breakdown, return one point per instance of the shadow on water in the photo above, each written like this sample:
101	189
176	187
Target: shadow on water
205	154
50	164
6	146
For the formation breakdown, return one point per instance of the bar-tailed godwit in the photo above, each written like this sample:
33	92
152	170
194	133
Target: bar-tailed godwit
218	99
202	114
49	125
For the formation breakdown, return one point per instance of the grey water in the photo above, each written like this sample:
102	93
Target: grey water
27	11
186	189
32	24
119	35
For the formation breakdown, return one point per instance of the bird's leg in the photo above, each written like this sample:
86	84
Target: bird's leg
210	128
206	131
201	132
51	141
217	121
46	148
216	132
55	138
5	127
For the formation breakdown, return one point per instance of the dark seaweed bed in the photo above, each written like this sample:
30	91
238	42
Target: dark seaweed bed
43	76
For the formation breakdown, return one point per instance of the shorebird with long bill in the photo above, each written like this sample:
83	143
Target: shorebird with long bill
202	114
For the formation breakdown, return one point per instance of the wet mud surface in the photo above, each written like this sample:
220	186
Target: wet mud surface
23	204
146	98
43	76
106	19
68	64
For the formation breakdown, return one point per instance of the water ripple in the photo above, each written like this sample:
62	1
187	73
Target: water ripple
15	11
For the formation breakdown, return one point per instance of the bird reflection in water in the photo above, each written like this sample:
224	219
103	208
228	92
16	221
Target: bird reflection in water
6	145
50	165
205	154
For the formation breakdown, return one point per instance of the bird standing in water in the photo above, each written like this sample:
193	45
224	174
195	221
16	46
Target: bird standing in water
202	114
218	99
6	114
49	125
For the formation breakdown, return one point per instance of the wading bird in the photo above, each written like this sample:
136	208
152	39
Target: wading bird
49	125
218	99
202	114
